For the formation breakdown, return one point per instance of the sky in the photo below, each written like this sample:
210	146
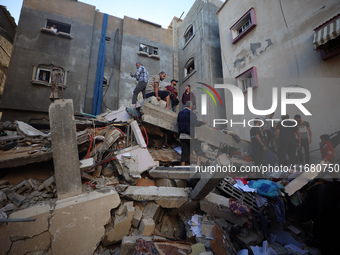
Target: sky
159	12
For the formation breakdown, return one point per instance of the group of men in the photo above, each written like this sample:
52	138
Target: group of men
287	139
151	87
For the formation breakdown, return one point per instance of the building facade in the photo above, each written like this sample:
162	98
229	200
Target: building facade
74	49
7	33
284	45
197	53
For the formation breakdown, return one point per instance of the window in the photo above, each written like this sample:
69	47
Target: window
189	68
42	75
243	26
188	34
247	79
57	28
148	51
327	38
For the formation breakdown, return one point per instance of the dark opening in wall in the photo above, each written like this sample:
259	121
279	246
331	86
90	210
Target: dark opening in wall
61	27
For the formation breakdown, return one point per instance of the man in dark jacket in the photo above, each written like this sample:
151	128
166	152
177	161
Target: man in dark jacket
187	121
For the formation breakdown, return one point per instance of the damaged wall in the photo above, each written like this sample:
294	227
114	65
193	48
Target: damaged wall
268	48
61	227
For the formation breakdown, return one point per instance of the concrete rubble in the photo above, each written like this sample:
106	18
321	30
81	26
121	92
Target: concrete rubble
117	182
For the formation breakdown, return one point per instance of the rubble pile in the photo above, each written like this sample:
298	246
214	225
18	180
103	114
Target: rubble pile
164	208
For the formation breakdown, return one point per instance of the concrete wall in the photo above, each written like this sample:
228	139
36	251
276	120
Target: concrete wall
204	47
24	100
269	49
134	33
32	47
7	33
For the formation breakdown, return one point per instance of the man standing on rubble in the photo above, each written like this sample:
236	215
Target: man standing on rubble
257	141
152	89
306	138
187	121
142	77
286	136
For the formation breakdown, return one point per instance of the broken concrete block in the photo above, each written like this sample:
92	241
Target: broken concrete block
164	182
152	211
164	196
48	182
142	160
122	224
65	148
128	244
209	181
3	199
216	137
76	219
147	226
217	205
86	163
17	199
181	173
159	117
138	134
181	183
137	217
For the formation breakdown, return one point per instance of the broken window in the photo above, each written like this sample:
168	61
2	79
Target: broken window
189	67
148	51
188	34
247	79
42	75
246	23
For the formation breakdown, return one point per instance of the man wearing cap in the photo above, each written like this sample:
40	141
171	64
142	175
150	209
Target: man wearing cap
142	76
173	94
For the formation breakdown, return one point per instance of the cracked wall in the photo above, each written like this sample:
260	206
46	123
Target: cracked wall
60	227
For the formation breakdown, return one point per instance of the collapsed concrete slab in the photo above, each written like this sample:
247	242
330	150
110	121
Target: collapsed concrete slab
218	206
166	197
210	180
158	116
178	173
216	137
77	225
135	160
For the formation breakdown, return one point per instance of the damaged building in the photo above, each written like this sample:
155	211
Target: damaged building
89	174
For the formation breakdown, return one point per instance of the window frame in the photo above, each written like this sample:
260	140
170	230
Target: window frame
187	31
253	73
150	51
63	34
35	76
188	64
234	29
